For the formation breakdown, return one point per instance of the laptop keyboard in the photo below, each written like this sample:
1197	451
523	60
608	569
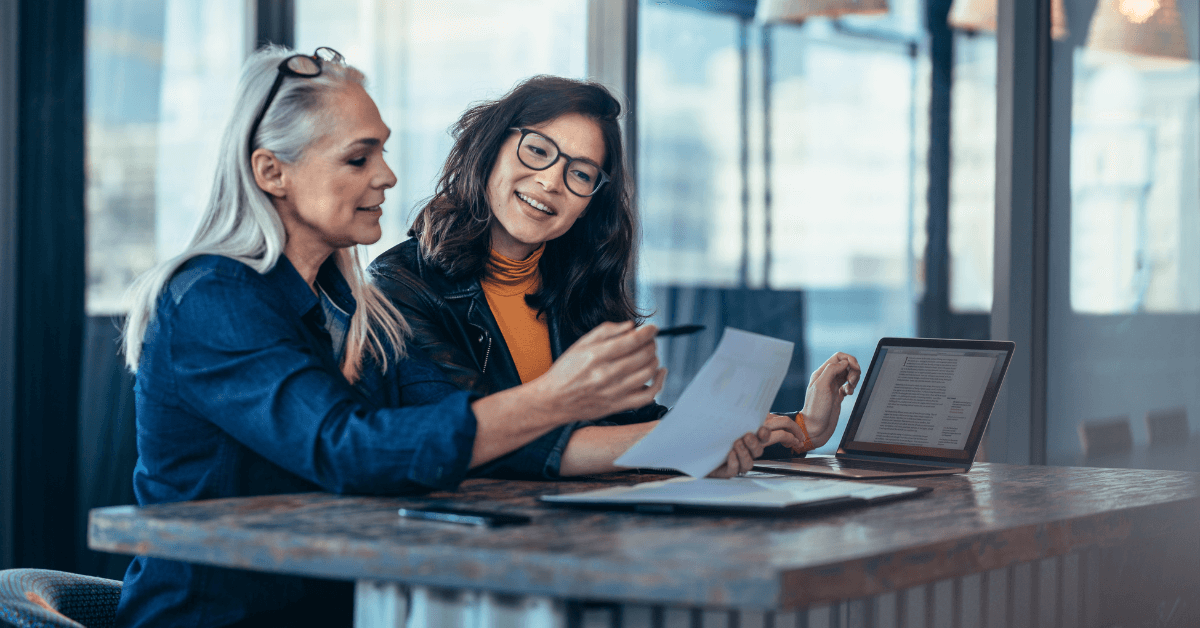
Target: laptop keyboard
867	465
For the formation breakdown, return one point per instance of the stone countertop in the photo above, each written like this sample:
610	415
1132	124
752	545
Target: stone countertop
992	517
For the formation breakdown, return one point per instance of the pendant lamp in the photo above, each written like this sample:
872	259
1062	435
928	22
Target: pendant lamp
980	15
1150	28
800	10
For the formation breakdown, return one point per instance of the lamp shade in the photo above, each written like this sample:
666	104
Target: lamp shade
980	15
1143	27
800	10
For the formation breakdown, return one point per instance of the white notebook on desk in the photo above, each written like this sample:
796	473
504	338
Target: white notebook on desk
746	494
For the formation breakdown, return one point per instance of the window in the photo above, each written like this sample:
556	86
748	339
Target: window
1124	293
972	217
1135	197
829	213
689	182
160	79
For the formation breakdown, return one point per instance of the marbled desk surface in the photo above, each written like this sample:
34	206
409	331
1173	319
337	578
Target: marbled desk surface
994	516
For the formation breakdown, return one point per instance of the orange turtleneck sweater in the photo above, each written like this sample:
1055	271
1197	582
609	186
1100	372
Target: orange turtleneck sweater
505	285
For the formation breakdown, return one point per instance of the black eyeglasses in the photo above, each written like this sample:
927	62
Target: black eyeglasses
302	66
538	152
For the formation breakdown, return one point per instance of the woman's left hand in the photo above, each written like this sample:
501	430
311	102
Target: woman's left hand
828	386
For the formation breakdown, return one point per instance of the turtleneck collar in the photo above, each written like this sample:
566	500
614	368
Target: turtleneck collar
508	277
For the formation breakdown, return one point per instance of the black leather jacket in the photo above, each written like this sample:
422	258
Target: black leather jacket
453	325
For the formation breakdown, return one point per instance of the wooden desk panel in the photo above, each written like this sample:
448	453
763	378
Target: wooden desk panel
996	516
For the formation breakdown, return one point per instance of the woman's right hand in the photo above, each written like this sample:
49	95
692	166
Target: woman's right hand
603	373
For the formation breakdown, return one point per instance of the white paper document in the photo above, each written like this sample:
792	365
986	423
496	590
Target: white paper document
728	397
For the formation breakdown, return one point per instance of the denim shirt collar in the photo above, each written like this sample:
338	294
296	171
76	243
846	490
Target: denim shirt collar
331	310
335	285
299	296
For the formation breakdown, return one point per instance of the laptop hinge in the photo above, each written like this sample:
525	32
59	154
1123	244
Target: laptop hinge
958	464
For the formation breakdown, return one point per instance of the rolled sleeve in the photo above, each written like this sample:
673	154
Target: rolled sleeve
644	414
540	459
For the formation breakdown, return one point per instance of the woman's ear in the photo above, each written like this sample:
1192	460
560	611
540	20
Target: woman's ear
268	172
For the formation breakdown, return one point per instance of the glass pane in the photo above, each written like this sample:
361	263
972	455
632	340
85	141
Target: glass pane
427	61
1124	325
1134	226
160	77
972	172
689	147
844	154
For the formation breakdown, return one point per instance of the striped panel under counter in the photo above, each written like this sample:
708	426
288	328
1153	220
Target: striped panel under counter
1053	592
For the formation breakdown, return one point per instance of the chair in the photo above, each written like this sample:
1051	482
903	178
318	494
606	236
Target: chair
1106	436
41	598
1169	426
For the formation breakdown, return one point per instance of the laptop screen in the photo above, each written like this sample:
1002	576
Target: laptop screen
926	398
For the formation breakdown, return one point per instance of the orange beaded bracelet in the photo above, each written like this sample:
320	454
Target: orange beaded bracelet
807	445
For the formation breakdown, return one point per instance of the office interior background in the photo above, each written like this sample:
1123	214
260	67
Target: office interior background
1025	170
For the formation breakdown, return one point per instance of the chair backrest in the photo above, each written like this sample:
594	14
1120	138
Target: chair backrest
1168	426
1106	436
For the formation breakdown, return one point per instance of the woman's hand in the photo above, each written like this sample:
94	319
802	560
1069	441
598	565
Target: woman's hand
828	386
777	429
784	431
603	373
740	458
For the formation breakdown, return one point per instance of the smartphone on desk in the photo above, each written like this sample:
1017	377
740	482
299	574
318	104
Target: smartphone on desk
462	516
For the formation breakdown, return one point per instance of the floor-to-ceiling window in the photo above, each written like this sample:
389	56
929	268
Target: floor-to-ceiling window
1124	327
791	155
160	80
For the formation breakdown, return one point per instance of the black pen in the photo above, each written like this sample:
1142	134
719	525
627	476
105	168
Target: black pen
679	330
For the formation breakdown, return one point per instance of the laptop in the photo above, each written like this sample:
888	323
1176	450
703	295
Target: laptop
921	410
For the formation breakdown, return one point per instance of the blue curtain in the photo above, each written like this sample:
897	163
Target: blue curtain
107	440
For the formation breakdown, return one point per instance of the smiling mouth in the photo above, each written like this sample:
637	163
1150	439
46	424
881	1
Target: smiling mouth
373	208
535	204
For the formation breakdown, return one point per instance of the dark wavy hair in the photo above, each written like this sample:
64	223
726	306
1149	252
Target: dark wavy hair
587	272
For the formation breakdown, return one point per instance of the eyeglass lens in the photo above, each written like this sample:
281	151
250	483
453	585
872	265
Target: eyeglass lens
539	153
303	65
310	65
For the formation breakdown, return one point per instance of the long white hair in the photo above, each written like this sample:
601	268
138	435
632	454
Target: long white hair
241	223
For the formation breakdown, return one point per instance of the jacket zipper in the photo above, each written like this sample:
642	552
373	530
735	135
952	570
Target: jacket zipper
487	354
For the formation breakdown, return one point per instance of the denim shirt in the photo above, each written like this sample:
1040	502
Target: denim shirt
239	393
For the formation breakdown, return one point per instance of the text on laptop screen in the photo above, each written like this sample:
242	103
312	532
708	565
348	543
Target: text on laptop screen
927	398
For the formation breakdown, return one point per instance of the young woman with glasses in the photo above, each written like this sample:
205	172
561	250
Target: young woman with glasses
267	363
527	248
